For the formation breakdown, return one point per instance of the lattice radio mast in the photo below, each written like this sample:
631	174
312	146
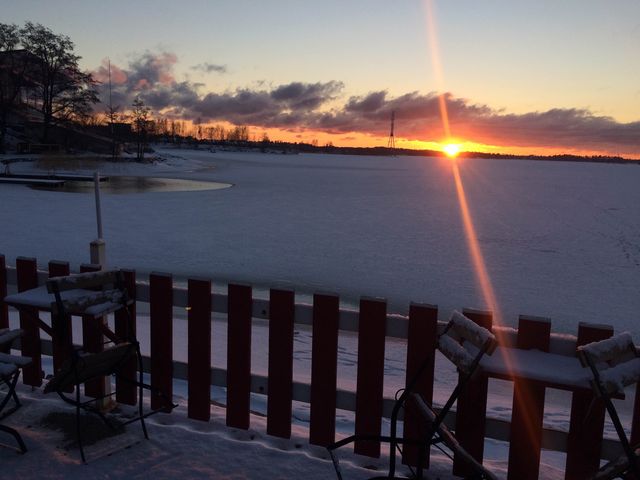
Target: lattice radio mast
392	141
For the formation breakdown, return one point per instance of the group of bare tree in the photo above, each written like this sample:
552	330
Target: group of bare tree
36	59
175	130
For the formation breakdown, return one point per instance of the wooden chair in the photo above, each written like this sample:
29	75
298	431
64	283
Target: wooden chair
10	366
464	343
614	364
94	295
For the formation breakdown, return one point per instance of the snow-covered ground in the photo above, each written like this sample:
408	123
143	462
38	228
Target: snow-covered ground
179	447
560	240
189	449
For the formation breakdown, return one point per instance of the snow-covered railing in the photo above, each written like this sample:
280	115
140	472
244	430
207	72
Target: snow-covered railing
583	442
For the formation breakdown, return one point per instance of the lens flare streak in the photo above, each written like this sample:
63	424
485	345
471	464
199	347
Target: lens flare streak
477	258
525	398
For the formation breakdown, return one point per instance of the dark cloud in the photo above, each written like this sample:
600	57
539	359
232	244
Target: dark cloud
297	95
371	103
150	76
210	68
298	106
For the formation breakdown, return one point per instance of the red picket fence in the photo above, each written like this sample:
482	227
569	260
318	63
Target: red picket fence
583	443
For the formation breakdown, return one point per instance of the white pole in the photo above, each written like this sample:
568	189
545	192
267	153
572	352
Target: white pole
98	257
98	247
96	184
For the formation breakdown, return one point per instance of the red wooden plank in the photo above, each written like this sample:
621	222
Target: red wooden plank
586	425
161	339
471	410
27	272
525	440
239	356
125	326
421	353
199	349
371	339
324	364
62	343
280	386
92	341
4	309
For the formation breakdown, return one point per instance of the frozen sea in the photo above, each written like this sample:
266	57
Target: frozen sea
560	239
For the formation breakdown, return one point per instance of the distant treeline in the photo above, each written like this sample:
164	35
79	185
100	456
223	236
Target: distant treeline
301	147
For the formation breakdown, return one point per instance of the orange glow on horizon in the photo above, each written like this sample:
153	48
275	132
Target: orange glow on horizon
367	140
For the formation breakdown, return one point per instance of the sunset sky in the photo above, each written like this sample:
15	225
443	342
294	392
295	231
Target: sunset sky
518	77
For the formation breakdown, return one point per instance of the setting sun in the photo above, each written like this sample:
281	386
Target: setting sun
452	150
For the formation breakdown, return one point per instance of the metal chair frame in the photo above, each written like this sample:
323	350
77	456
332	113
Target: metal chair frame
71	372
11	381
436	430
619	467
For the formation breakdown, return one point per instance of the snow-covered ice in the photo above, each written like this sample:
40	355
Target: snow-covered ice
560	240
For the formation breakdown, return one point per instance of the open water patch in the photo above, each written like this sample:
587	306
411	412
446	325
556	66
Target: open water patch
130	184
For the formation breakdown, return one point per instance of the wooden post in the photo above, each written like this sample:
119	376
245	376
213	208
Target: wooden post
199	349
421	353
27	272
525	441
371	340
324	365
586	425
161	339
125	326
280	383
62	343
4	310
93	342
239	356
471	412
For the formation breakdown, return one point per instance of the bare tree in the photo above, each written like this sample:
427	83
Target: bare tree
12	69
140	116
238	134
64	91
112	116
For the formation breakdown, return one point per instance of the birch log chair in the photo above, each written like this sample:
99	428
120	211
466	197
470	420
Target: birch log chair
464	343
614	364
10	366
106	293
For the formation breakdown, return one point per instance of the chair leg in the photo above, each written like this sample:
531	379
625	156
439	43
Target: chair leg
78	429
16	436
141	391
634	467
11	382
